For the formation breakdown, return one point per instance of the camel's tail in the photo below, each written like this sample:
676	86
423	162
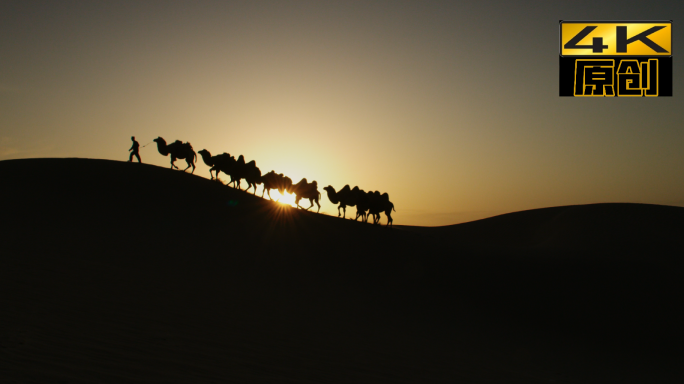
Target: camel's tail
393	207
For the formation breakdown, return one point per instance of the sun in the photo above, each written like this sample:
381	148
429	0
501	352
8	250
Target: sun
285	198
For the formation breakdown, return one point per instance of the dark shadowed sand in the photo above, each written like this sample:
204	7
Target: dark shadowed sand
113	272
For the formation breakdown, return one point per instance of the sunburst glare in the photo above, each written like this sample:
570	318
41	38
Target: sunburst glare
285	198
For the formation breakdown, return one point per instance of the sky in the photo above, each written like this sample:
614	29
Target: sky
450	107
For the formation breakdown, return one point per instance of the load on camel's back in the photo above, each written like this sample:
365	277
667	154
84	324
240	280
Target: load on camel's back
306	190
177	150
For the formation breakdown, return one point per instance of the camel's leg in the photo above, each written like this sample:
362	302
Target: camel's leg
319	206
297	198
193	167
173	160
344	209
338	211
311	201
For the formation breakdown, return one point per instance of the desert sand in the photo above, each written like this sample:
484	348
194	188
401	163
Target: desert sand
114	272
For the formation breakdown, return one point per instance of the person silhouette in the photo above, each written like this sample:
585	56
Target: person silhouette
134	148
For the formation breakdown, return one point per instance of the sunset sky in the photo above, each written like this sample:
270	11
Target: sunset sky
450	107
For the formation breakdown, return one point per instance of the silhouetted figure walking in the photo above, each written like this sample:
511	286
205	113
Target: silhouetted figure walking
134	149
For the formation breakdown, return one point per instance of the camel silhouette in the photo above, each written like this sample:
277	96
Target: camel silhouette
305	190
177	150
344	197
250	172
223	162
362	204
277	181
380	203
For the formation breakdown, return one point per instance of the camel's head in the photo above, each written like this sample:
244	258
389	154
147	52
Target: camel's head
329	189
204	152
159	140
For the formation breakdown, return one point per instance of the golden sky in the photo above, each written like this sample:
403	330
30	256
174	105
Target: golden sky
451	108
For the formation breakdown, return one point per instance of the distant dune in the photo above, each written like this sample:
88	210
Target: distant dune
115	272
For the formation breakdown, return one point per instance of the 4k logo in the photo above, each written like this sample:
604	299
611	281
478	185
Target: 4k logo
616	39
615	58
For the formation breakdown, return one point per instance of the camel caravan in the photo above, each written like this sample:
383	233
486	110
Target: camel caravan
367	203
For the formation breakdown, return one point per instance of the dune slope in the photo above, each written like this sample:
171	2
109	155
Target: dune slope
117	272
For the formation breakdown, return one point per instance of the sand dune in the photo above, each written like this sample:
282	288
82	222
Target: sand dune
115	272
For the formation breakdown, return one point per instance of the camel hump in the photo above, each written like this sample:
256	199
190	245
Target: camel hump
252	163
346	188
186	147
385	196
